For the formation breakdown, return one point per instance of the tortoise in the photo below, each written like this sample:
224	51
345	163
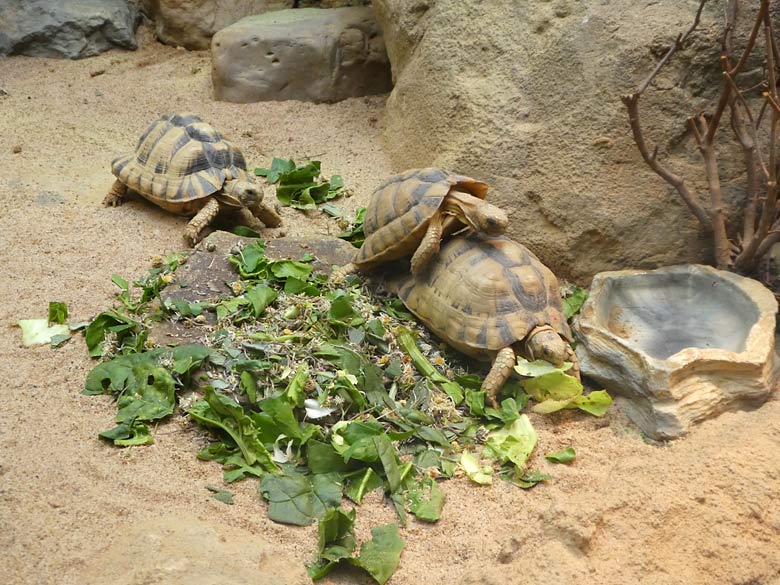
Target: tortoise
185	166
410	213
491	298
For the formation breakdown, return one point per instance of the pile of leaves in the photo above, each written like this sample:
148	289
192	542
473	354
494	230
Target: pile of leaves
321	393
301	187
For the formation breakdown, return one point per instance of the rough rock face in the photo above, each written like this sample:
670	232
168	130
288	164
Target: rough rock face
526	95
679	344
307	54
192	23
42	28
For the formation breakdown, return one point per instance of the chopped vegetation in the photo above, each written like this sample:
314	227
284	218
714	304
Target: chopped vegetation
353	231
321	393
301	187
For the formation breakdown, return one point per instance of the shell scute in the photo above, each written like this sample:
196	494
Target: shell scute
179	159
400	209
483	294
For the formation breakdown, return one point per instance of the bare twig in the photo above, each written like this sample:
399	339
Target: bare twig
701	130
678	44
632	104
762	11
764	235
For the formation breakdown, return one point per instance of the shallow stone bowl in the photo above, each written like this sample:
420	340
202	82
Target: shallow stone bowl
679	344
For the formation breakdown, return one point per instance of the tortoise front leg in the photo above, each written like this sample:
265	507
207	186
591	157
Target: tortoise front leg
499	373
339	275
267	214
247	218
430	244
204	217
115	195
575	363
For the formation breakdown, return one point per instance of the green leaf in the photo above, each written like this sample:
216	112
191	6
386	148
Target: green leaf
355	235
58	340
129	434
482	475
336	541
380	555
221	495
426	500
366	482
151	398
566	455
248	385
282	269
225	414
514	442
508	412
278	167
596	403
340	307
187	358
244	231
572	303
38	331
58	313
121	326
296	499
260	297
323	458
532	479
294	393
475	401
537	368
406	341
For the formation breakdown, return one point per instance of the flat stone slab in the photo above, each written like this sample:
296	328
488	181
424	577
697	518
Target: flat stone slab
187	550
306	54
680	344
205	275
74	30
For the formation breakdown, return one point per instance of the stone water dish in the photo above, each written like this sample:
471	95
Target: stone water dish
679	344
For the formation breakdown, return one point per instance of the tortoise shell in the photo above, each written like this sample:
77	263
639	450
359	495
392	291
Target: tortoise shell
483	294
178	160
399	210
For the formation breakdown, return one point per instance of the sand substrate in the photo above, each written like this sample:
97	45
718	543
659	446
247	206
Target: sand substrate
702	510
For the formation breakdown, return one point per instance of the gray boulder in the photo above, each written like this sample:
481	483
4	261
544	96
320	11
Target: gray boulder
525	95
307	54
192	23
67	28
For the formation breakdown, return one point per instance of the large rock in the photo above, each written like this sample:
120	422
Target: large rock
192	23
680	344
307	54
525	95
72	29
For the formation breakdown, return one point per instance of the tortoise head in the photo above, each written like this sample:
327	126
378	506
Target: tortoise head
246	193
544	343
476	213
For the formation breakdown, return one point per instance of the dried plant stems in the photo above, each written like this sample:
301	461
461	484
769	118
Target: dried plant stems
760	227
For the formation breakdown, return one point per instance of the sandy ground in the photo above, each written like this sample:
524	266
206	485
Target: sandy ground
702	510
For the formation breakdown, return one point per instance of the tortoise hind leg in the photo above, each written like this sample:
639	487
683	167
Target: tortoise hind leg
430	244
499	373
197	224
115	195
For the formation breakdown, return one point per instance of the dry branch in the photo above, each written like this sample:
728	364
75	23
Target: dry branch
760	222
